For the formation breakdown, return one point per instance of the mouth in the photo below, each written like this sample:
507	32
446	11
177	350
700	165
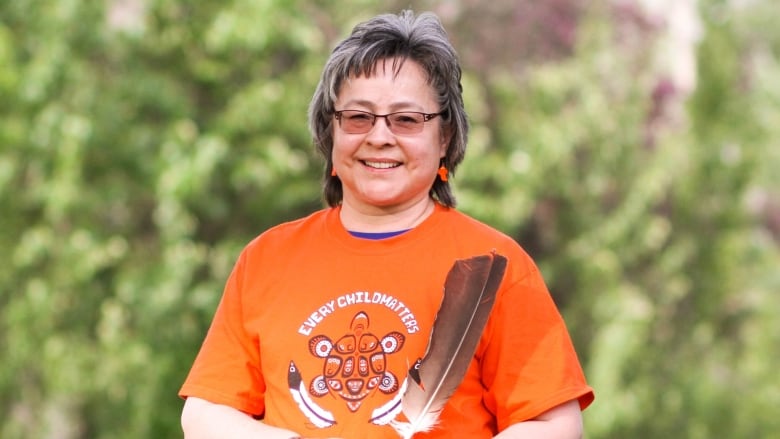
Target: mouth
380	165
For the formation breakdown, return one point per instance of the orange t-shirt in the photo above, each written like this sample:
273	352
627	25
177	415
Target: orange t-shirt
317	329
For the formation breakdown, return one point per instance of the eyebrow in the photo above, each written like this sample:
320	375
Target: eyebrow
395	106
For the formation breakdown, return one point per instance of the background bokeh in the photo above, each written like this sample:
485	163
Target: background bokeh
631	146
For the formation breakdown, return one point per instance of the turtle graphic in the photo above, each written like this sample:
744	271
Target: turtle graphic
356	364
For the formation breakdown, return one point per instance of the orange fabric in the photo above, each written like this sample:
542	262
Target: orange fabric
316	330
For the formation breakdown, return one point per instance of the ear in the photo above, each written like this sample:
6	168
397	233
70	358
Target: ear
444	144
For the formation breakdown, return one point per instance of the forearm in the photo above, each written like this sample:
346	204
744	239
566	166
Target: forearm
562	422
201	419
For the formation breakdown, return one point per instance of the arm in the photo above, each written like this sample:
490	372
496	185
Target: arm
561	422
201	419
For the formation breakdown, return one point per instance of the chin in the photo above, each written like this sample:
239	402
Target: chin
381	198
382	203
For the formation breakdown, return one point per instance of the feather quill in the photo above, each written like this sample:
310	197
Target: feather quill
469	294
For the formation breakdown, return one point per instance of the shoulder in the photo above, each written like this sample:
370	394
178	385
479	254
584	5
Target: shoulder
478	236
290	234
466	228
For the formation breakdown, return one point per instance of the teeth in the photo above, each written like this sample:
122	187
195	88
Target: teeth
381	165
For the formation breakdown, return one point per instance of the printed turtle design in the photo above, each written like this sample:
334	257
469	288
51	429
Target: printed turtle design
356	364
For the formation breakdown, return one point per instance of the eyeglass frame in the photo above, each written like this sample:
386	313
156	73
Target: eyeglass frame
426	118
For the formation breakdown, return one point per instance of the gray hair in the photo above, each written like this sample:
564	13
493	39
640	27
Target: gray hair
401	37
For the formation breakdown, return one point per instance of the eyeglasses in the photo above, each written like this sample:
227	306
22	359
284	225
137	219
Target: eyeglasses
400	122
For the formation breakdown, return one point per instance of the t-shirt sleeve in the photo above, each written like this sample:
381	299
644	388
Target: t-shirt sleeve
227	368
529	365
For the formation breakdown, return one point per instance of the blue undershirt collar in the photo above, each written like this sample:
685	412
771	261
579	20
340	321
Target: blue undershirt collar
377	235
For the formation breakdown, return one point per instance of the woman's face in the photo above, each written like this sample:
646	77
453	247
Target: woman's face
381	171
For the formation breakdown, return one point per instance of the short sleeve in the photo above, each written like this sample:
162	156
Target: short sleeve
227	368
529	365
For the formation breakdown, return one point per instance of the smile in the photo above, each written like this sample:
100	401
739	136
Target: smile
381	165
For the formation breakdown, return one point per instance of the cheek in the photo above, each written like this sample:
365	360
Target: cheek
430	160
342	145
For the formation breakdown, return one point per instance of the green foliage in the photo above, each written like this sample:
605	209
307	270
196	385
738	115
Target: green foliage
143	143
646	226
139	157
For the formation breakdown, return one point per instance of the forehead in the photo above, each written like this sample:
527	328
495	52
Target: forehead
388	79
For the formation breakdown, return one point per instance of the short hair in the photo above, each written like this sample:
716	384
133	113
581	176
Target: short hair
401	37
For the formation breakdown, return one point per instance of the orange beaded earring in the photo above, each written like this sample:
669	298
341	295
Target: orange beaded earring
443	173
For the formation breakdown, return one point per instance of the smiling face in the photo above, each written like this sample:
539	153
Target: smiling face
382	172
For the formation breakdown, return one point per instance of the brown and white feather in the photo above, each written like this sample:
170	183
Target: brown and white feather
469	294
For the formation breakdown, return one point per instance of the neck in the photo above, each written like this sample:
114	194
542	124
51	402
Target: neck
379	219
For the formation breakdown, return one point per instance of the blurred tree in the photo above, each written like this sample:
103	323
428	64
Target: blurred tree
629	184
144	142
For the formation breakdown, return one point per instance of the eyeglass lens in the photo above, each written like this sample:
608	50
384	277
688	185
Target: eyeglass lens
403	122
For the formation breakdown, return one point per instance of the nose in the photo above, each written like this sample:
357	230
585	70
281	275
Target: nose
380	132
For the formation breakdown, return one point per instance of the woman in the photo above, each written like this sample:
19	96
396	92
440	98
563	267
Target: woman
322	317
